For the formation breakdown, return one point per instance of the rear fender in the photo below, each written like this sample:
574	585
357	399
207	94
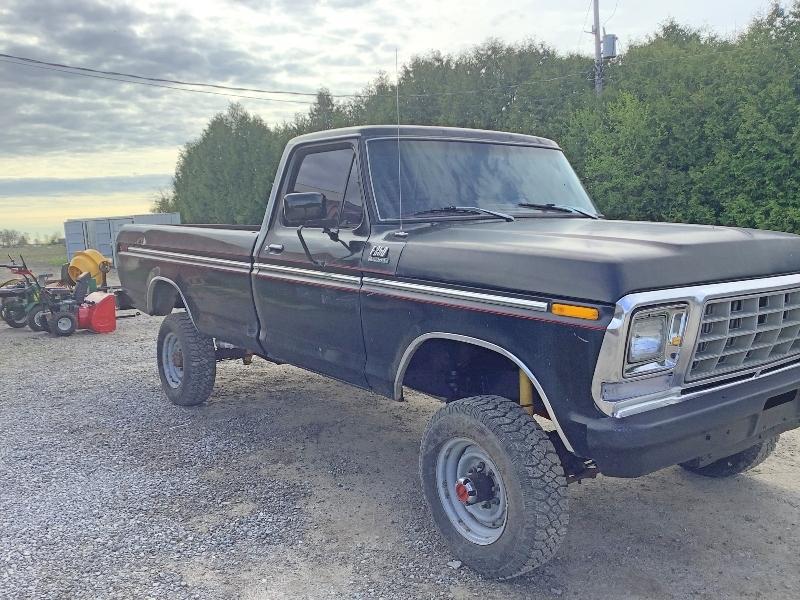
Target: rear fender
163	295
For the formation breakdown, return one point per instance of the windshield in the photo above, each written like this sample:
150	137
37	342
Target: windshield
444	173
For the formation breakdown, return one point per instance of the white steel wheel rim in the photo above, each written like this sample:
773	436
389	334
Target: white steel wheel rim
172	360
64	324
481	526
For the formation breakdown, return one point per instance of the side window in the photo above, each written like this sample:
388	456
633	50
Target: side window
326	172
353	205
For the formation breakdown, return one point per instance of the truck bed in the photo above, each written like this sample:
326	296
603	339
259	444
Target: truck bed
208	265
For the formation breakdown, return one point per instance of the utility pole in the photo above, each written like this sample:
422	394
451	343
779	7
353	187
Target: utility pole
598	52
605	47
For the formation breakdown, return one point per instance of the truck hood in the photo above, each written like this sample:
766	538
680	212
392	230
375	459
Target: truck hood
595	260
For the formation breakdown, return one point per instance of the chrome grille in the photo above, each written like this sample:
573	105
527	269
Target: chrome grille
746	331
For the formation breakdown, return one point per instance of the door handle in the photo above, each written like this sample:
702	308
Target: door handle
275	248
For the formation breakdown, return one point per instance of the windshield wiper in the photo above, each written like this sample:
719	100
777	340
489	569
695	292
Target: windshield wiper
560	208
476	210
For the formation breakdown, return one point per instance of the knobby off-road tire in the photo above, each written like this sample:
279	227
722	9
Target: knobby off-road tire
14	316
179	343
62	324
37	317
532	481
735	463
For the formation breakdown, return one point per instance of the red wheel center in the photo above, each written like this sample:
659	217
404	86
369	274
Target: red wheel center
462	493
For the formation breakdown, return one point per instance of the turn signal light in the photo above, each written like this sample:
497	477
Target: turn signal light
576	312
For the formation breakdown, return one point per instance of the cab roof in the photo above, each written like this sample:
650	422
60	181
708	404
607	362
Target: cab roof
382	131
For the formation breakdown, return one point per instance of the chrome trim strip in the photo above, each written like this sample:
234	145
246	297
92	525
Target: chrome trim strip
451	293
456	294
612	353
175	285
241	270
642	406
325	275
188	257
405	360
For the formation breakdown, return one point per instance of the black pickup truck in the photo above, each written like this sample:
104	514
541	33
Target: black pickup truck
473	267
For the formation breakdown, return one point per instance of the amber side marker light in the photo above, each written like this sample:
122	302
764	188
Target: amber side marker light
576	312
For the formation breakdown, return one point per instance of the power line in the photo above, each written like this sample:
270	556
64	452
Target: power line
583	31
692	56
511	86
161	80
613	12
116	75
141	80
304	102
157	85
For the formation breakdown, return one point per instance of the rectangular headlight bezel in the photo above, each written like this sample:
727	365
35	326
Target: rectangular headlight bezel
674	317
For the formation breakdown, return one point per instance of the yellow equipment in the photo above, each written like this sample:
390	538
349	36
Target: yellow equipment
526	393
89	261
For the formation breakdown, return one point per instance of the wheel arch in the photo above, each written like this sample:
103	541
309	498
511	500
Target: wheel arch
419	341
159	291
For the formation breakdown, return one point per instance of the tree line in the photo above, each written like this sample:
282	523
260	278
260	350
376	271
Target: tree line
690	127
11	238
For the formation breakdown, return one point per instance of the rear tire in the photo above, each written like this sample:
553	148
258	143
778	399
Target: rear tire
15	315
735	463
522	526
37	318
187	362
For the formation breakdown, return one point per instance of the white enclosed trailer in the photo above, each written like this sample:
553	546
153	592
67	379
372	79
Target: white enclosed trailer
101	233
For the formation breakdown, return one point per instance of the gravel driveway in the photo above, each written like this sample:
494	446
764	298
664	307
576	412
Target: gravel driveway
287	485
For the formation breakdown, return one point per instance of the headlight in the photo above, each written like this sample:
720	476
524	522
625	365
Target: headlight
655	339
648	337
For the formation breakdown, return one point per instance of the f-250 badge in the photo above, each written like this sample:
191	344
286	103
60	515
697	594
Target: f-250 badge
379	254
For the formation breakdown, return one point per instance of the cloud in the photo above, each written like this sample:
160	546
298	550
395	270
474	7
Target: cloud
46	214
273	44
303	6
46	111
25	187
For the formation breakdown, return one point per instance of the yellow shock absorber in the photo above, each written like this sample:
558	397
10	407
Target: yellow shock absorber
525	392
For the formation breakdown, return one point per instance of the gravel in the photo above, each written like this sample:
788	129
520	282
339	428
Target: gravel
288	485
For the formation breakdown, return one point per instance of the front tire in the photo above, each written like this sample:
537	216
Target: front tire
62	323
187	362
494	444
735	463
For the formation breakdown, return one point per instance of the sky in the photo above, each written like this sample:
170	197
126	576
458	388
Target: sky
75	147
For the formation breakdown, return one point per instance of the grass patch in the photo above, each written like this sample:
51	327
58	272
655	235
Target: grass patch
51	255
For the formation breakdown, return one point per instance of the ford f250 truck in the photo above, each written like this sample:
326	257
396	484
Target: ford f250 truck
473	267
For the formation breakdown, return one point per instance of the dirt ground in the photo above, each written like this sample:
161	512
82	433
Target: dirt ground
288	485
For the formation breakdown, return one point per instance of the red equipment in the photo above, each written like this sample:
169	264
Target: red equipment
98	313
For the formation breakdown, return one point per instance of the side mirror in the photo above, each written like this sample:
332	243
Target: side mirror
304	208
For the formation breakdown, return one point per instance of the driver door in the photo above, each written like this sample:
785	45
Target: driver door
308	303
